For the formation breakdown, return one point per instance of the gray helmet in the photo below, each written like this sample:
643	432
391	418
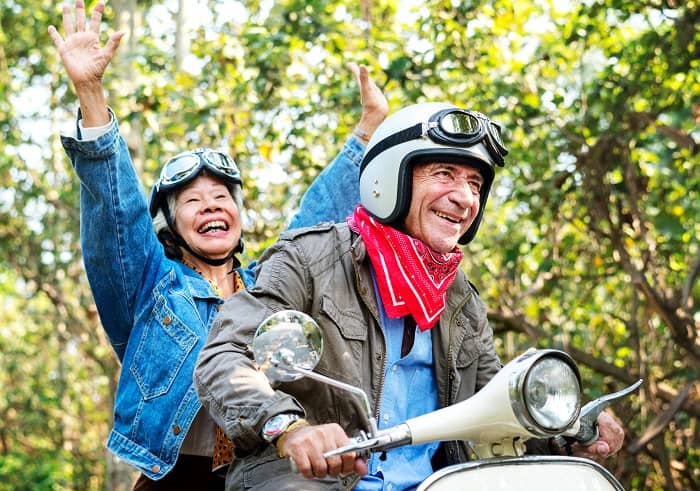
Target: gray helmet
422	133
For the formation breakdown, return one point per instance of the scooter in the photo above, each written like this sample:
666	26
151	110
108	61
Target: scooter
536	395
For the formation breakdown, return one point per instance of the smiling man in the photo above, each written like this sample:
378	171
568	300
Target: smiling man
399	318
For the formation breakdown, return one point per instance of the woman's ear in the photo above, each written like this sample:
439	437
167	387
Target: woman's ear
168	240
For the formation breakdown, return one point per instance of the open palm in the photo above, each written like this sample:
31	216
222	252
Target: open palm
84	59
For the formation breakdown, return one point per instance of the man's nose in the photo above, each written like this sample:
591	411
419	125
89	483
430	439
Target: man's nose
463	194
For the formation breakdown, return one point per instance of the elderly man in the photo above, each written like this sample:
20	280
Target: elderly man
399	318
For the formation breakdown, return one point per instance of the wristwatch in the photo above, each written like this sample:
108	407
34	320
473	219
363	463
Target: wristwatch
276	425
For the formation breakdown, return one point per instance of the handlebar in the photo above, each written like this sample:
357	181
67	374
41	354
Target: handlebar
588	418
383	440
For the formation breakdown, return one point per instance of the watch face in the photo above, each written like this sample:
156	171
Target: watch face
276	425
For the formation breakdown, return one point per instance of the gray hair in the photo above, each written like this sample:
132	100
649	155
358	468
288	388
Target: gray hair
159	221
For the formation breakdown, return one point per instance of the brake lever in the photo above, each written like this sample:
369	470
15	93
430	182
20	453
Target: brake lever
359	446
383	440
588	418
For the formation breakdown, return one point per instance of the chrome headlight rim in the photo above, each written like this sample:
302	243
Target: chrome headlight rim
517	385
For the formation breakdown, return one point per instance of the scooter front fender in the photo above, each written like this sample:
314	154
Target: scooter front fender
529	473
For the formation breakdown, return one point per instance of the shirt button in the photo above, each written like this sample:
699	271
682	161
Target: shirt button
393	368
155	469
167	320
386	417
177	429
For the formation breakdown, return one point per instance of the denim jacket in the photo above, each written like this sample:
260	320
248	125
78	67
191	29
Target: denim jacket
157	312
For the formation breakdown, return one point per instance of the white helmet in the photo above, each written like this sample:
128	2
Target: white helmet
421	133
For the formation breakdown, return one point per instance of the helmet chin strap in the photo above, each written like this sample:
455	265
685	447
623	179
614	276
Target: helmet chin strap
210	261
178	241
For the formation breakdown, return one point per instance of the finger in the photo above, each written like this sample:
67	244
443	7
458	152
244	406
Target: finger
362	77
611	432
55	36
335	465
96	17
373	94
79	15
360	466
348	463
340	464
68	26
320	466
364	74
597	449
355	71
613	439
113	43
303	465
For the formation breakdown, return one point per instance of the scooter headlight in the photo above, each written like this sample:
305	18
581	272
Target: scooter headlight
548	396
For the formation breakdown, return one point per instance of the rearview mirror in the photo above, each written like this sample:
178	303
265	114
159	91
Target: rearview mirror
286	341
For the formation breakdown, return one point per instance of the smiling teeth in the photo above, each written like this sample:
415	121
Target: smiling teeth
216	224
446	217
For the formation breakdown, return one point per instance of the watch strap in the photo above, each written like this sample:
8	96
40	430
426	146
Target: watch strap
293	426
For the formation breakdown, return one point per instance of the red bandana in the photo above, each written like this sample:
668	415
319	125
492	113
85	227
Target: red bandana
412	278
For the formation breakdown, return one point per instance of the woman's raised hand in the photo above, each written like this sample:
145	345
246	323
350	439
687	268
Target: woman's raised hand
85	59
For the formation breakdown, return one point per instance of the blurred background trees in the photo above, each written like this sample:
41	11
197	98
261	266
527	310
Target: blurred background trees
591	239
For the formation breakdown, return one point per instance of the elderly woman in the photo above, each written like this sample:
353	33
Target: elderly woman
159	271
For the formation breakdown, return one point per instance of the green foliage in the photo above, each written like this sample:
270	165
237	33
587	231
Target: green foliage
590	239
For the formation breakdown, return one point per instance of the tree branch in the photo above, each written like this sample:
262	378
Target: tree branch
660	422
503	323
693	273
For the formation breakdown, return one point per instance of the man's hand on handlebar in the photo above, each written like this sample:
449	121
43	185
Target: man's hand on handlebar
306	445
612	435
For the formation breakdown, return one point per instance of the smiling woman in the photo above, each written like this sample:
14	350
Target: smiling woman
206	225
196	207
159	271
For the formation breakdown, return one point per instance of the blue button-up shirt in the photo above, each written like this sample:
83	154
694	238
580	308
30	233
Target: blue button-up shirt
409	390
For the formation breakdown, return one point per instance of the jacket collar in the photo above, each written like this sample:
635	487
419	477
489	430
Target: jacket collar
198	286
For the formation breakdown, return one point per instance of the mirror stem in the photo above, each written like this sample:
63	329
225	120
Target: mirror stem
371	420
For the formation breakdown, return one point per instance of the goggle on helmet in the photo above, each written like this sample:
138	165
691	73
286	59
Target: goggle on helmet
422	133
185	166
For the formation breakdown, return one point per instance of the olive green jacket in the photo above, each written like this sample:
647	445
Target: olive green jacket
324	271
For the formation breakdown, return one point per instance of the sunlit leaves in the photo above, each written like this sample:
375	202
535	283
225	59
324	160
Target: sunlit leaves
595	211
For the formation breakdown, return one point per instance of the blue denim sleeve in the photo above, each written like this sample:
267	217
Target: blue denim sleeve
116	232
331	197
335	192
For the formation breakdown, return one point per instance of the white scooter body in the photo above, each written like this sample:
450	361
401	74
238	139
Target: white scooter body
527	473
